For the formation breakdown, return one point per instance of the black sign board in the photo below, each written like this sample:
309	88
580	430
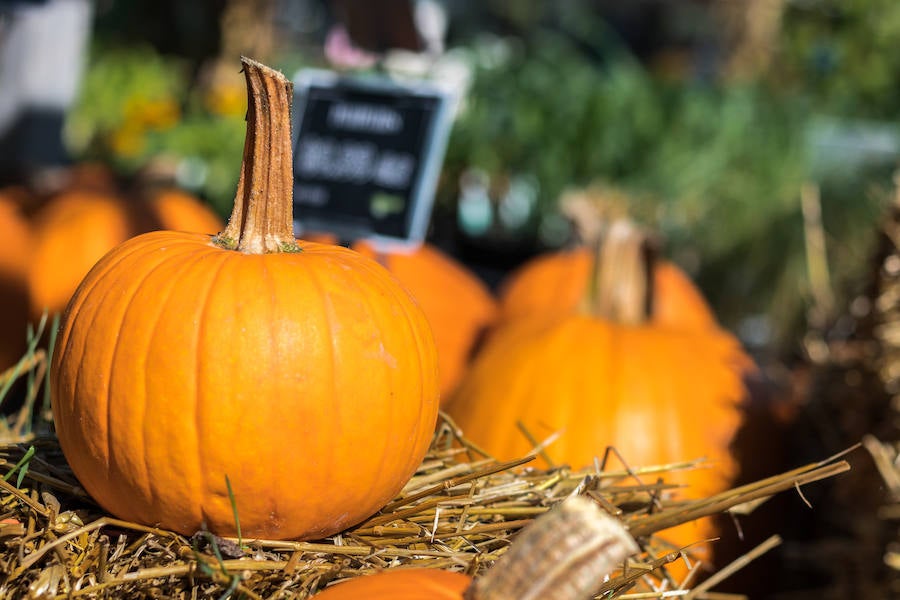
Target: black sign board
367	155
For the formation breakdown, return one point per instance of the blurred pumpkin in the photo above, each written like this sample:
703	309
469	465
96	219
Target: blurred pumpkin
558	282
81	224
178	210
18	206
15	231
605	373
301	373
459	306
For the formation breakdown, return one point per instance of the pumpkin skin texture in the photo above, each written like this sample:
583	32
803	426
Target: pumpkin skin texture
77	228
555	283
401	584
302	373
15	231
458	305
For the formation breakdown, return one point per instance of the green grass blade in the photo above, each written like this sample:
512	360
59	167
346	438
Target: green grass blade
234	510
21	467
51	345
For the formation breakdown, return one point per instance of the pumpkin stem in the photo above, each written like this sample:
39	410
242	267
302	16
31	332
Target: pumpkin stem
591	210
621	283
262	218
563	555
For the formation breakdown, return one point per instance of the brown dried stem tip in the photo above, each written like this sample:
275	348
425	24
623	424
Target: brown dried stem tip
262	218
563	555
622	278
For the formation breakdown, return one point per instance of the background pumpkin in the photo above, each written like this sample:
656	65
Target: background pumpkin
19	205
302	372
558	282
177	210
459	306
15	231
657	393
79	226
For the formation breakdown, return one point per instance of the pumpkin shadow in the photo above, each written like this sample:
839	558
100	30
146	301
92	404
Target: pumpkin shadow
14	309
761	447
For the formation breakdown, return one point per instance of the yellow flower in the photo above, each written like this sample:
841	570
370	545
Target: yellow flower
151	113
128	140
226	100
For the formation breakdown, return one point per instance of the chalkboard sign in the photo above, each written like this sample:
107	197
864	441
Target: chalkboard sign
367	155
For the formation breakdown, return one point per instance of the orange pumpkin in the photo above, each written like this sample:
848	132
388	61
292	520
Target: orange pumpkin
79	226
608	375
15	231
177	210
459	306
401	584
557	282
303	373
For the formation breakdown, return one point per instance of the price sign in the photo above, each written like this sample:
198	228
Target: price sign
367	155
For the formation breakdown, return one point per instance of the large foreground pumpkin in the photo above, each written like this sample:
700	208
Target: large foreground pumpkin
607	375
301	372
78	227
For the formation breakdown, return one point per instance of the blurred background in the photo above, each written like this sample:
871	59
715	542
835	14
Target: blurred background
710	116
758	138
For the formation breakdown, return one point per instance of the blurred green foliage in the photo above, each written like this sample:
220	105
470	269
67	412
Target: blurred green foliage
716	166
116	87
139	109
843	55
